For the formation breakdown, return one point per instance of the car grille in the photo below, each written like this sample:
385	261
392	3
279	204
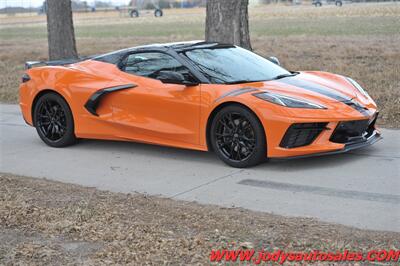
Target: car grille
302	134
353	131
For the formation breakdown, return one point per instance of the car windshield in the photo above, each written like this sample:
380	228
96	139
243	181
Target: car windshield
234	65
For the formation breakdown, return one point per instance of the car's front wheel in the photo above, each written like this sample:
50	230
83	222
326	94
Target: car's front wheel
237	137
53	120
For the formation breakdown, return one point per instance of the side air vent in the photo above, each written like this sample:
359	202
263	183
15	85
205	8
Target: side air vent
94	101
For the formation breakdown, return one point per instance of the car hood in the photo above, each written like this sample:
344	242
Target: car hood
316	86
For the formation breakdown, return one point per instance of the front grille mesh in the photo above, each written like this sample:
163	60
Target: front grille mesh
301	134
352	131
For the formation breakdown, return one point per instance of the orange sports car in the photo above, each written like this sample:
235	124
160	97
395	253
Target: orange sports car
198	95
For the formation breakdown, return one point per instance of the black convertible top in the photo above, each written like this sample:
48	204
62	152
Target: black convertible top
115	57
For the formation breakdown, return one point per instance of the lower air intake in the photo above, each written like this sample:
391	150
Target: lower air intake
353	131
301	134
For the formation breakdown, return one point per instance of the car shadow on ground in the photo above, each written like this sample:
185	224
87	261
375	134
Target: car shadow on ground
322	161
121	148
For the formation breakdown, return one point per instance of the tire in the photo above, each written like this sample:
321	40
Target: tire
134	13
53	120
338	3
318	4
158	13
237	137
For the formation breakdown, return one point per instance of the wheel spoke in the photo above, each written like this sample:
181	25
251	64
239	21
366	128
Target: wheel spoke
44	123
48	109
238	152
230	120
222	135
225	124
52	130
232	149
61	125
48	130
45	117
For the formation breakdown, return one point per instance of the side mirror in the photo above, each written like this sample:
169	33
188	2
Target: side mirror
171	77
274	60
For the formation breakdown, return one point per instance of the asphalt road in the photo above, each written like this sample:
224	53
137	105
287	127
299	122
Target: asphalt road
361	188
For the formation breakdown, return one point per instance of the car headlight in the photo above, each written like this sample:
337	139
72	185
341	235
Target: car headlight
287	101
358	87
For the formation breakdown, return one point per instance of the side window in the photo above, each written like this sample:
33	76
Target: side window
150	64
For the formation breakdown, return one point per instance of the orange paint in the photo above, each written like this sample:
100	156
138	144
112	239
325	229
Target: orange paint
177	115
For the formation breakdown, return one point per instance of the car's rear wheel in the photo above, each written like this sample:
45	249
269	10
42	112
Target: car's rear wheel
237	137
53	120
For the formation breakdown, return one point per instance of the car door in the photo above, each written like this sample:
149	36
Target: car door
154	111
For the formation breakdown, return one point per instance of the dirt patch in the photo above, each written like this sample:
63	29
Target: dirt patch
45	222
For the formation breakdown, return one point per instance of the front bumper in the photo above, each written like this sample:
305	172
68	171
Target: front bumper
322	137
374	137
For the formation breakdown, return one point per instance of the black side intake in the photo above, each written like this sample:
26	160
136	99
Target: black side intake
94	101
302	134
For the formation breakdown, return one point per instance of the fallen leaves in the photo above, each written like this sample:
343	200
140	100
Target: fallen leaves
44	222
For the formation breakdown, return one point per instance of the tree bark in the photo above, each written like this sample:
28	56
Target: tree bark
60	30
227	21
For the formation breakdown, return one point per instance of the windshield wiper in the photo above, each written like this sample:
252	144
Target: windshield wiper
291	74
286	75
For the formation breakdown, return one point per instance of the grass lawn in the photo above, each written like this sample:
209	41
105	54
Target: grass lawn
357	40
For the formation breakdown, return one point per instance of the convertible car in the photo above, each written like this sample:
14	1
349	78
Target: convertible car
198	95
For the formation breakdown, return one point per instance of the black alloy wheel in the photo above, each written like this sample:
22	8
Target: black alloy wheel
53	121
238	137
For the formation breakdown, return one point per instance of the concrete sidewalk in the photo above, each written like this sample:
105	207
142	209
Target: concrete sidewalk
360	188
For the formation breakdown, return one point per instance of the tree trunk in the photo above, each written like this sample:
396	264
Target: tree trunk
60	30
227	21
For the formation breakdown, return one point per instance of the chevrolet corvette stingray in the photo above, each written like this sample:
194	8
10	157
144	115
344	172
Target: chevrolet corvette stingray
198	95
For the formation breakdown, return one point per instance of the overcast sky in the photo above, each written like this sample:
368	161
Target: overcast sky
36	3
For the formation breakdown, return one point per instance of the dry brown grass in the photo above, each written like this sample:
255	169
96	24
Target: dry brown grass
51	223
361	41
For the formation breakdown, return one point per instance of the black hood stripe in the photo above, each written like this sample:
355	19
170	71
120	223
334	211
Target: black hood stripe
363	110
314	87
